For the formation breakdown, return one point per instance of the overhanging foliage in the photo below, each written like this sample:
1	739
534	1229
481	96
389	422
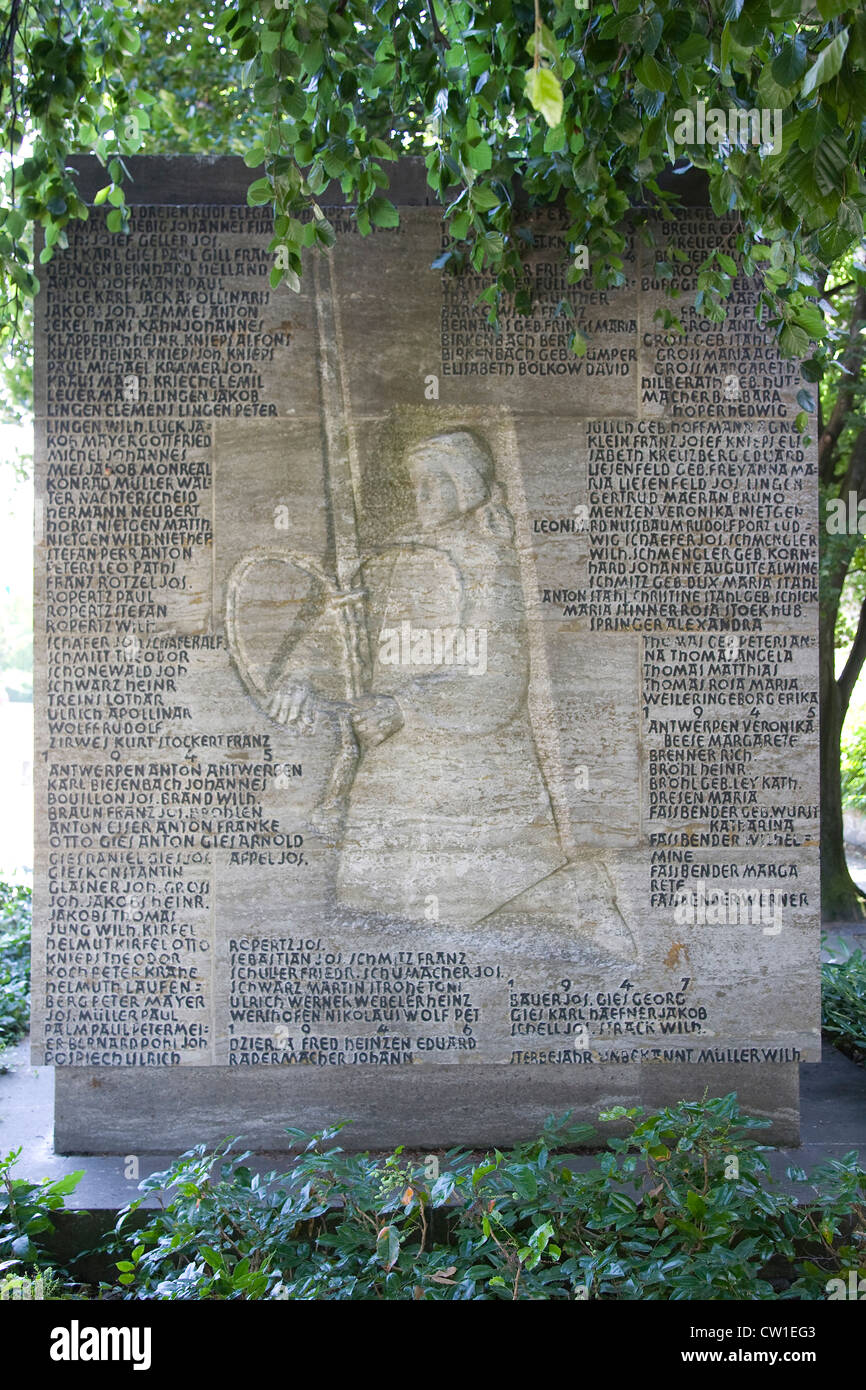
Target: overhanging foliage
511	104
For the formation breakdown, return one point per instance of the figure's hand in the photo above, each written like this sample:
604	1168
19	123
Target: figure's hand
293	702
375	718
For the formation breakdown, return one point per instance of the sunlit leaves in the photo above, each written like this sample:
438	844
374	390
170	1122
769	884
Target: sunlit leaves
545	94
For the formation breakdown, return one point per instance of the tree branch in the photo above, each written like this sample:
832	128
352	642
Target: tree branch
438	36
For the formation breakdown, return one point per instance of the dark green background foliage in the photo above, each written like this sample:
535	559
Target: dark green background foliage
843	1004
15	913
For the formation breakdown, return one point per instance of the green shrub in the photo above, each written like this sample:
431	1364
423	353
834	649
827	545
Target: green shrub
27	1230
843	1004
15	915
682	1208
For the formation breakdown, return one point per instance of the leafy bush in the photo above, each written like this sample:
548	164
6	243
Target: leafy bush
15	915
27	1229
682	1208
843	1004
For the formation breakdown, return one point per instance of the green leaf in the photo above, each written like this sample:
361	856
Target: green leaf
793	341
696	1204
483	197
789	65
627	126
810	318
725	57
651	73
830	161
829	9
541	1236
812	370
259	193
660	1152
383	213
652	33
15	223
621	1202
130	41
545	94
63	1186
627	30
770	95
295	102
850	219
388	1246
826	65
544	42
524	1182
692	49
480	157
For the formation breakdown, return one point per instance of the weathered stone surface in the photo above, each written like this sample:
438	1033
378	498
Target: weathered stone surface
416	705
125	1109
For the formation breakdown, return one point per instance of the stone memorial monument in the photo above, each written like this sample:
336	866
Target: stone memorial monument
427	717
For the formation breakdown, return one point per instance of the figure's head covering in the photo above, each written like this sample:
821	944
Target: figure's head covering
469	464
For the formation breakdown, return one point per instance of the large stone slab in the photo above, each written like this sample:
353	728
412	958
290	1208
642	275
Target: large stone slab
427	718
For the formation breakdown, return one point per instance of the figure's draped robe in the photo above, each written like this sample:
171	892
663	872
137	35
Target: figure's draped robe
450	816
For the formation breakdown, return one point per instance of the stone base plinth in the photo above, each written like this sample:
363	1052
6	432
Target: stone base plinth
127	1110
